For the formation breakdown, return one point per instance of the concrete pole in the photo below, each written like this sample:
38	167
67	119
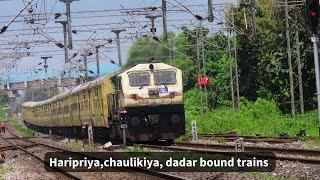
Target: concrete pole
117	32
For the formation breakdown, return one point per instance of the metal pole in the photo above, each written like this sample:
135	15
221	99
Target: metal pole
69	22
199	67
45	58
65	43
299	73
236	64
253	15
203	63
315	40
117	32
164	16
210	13
293	111
97	59
153	31
86	67
231	71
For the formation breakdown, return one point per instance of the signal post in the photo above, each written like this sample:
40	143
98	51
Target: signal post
313	18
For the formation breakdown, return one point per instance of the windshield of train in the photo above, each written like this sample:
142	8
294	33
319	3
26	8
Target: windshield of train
139	79
165	77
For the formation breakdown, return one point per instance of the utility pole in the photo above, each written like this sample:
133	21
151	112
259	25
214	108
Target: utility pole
203	63
164	18
293	111
85	67
153	30
98	59
299	72
253	16
45	58
68	13
231	70
199	67
65	45
210	13
236	63
315	40
117	32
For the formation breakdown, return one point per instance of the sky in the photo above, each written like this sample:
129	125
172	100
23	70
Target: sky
101	15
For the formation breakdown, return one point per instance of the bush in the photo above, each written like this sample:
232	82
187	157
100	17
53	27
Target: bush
260	117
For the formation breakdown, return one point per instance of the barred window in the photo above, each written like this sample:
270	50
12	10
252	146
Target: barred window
139	79
165	77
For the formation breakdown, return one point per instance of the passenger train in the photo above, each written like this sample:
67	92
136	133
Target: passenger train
146	98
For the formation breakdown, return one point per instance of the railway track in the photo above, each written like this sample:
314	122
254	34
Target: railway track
308	156
162	175
253	139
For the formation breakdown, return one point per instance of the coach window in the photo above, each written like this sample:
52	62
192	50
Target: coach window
139	79
119	84
165	77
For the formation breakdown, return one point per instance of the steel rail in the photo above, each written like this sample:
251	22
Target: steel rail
144	171
224	152
59	170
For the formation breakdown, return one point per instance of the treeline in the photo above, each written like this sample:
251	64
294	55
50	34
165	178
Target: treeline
262	60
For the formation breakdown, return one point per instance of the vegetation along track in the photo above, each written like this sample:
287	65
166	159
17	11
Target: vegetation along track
309	156
33	143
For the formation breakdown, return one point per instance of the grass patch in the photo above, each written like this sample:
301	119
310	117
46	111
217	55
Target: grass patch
5	170
79	144
17	124
261	117
135	149
259	175
313	142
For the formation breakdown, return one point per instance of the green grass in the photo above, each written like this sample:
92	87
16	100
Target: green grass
17	124
313	142
262	176
261	117
135	149
79	144
5	170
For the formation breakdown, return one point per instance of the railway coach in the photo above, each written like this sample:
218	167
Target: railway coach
147	97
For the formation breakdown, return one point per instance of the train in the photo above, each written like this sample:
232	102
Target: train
145	99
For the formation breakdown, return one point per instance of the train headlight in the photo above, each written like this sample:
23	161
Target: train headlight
134	96
134	121
173	94
175	119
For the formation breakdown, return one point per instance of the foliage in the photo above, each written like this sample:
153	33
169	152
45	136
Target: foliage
261	117
4	98
5	170
263	72
3	116
17	124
